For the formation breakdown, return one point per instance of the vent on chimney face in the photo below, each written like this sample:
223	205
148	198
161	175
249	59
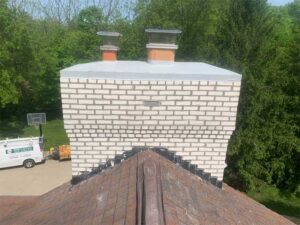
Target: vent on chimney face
162	45
109	45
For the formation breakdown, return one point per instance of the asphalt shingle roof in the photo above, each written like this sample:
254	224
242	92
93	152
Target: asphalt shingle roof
144	189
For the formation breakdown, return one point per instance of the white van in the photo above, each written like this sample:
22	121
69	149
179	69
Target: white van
20	151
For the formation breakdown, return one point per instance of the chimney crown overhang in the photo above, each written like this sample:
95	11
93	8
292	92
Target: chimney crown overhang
109	45
162	45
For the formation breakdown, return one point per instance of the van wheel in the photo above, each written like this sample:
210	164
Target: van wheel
29	163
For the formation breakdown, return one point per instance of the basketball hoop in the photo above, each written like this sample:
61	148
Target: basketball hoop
36	120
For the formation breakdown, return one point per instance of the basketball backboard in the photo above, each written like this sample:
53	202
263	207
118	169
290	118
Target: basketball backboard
36	118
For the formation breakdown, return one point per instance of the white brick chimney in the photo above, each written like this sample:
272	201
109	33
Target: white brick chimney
187	107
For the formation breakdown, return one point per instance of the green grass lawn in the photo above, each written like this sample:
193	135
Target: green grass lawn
53	131
280	201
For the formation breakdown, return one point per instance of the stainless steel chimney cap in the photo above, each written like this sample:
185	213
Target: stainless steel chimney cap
109	34
163	31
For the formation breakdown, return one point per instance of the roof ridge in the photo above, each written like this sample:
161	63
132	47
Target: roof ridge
150	208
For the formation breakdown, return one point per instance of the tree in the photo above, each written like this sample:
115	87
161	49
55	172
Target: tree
255	42
8	91
197	20
16	56
243	31
90	19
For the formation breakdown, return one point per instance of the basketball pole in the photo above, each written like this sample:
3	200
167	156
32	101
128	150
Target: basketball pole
41	130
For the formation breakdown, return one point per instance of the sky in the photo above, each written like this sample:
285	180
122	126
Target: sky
279	2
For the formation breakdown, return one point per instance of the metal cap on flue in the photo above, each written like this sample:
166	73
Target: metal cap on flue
109	45
161	45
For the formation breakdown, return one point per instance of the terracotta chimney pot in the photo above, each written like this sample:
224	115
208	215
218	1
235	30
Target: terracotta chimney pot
109	47
161	46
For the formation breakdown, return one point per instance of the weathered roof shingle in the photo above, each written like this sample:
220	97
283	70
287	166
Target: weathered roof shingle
144	189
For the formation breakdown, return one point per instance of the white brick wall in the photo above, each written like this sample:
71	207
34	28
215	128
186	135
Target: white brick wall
106	117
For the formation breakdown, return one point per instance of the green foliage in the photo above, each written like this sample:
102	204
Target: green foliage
266	142
8	91
281	201
242	32
90	19
15	53
197	20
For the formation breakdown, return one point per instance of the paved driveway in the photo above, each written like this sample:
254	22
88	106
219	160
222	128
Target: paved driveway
35	181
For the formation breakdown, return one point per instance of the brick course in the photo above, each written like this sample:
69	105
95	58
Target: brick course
109	117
